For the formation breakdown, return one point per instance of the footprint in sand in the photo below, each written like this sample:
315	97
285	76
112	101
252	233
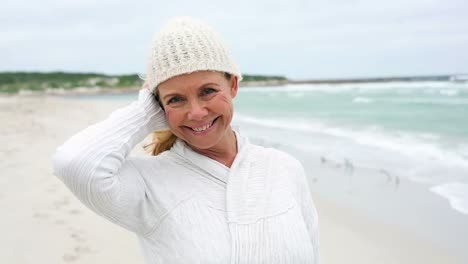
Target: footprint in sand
79	250
80	247
40	215
60	222
75	212
52	189
62	202
69	257
78	237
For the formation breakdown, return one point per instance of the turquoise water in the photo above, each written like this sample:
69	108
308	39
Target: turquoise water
432	109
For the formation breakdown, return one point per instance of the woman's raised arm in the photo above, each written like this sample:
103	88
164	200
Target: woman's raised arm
93	164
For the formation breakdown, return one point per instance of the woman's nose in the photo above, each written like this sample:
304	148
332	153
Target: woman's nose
197	111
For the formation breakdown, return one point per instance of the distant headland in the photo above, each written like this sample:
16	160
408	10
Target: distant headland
422	78
70	83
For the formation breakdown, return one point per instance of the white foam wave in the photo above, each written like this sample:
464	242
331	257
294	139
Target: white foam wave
444	88
282	124
456	193
431	101
448	92
363	100
463	150
423	146
295	94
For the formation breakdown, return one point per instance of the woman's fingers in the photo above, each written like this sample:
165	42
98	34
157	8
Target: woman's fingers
145	86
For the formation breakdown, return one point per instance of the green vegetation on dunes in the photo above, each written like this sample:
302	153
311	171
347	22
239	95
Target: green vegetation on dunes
12	82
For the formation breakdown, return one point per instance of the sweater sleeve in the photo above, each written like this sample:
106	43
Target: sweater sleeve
309	211
93	164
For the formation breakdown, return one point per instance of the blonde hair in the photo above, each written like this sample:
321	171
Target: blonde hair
162	140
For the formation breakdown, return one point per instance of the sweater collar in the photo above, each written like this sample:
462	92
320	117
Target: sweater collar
212	167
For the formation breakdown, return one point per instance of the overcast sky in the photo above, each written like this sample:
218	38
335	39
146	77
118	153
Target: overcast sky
302	39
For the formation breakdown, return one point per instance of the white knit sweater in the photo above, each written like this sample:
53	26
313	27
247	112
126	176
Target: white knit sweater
185	207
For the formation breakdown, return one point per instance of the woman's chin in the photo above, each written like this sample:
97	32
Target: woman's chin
204	142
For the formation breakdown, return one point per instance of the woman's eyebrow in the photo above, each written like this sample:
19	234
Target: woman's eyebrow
201	87
208	84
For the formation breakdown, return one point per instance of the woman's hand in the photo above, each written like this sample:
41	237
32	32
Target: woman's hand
146	86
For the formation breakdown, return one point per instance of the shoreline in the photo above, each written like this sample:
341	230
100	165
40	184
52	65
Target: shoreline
405	207
373	197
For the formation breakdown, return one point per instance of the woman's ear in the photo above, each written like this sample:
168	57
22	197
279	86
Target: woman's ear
234	86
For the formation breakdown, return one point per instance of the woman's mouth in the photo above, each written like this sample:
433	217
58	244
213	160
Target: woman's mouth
203	128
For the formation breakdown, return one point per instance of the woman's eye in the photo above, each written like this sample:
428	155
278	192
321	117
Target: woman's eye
174	100
207	91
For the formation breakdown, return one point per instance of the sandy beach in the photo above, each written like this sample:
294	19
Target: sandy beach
43	223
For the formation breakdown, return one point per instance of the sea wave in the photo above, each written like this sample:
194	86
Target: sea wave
448	92
362	100
456	193
430	101
445	88
424	146
295	94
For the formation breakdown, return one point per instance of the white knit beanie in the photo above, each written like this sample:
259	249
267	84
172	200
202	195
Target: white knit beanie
185	45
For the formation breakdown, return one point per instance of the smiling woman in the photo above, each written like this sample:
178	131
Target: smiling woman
199	110
206	195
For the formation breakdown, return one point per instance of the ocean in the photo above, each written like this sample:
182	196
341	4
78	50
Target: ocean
415	131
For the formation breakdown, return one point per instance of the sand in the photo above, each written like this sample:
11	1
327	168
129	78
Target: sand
43	223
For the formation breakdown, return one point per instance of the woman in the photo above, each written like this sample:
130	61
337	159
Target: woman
206	195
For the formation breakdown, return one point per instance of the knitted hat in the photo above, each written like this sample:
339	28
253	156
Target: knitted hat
185	45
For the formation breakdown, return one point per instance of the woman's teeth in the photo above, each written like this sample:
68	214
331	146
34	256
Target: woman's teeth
203	128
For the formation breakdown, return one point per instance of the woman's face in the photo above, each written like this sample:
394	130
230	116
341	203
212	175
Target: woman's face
199	107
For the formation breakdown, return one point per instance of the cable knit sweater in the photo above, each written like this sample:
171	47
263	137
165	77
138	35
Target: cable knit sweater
185	207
